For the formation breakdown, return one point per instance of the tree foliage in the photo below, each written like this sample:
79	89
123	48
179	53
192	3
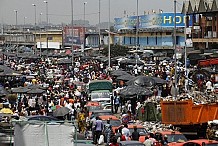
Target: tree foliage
116	50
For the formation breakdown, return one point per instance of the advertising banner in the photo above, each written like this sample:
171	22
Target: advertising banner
78	35
152	21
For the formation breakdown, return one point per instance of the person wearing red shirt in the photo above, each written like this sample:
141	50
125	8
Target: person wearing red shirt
114	142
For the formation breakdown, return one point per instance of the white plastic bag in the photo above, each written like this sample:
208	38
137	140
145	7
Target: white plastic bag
118	139
101	140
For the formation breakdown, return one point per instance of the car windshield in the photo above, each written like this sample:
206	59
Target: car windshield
100	95
92	108
212	144
176	138
103	114
140	130
115	123
196	144
134	144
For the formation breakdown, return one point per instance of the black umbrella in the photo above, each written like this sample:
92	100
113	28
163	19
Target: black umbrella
129	91
60	112
145	92
118	73
131	62
20	90
144	81
35	91
135	90
159	80
125	77
3	92
36	87
86	57
64	61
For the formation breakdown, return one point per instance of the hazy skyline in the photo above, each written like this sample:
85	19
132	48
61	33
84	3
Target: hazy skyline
60	10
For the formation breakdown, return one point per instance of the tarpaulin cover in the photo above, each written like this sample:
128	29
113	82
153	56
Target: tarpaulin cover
41	134
100	85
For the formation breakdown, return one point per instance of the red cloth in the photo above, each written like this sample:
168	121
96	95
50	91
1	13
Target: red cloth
123	138
114	144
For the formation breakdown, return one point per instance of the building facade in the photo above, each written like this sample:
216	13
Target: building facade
204	29
154	31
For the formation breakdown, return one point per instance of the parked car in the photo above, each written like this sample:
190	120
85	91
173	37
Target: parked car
83	143
102	112
114	121
130	143
140	129
198	142
172	137
107	107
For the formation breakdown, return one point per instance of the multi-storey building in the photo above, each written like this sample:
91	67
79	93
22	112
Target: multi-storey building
154	31
204	29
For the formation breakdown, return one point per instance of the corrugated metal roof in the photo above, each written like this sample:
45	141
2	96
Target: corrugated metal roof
202	8
190	8
214	6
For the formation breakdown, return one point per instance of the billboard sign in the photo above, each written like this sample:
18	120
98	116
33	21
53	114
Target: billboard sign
152	21
78	35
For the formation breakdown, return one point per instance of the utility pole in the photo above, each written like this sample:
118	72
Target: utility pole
109	45
137	31
40	35
72	33
99	27
35	27
175	51
46	2
84	25
16	30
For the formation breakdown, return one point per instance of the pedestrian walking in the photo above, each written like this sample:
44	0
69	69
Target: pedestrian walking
98	129
107	132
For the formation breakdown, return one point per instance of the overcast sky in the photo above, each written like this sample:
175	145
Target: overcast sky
60	10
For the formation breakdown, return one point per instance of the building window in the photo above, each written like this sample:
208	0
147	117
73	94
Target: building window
147	41
156	40
168	33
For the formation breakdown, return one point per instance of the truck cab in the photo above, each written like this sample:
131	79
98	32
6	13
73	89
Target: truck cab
100	90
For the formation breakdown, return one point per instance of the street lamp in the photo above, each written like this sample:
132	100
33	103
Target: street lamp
34	5
175	52
40	18
109	45
15	17
40	35
137	30
72	33
84	21
16	33
24	21
46	3
84	14
24	35
99	21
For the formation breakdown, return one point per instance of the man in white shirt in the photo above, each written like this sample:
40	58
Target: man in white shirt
126	132
209	86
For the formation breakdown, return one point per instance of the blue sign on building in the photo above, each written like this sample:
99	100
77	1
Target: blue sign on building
152	21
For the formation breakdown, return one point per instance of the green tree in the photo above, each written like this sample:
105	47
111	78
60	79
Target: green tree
116	50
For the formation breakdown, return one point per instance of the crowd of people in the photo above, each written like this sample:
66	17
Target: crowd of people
64	85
